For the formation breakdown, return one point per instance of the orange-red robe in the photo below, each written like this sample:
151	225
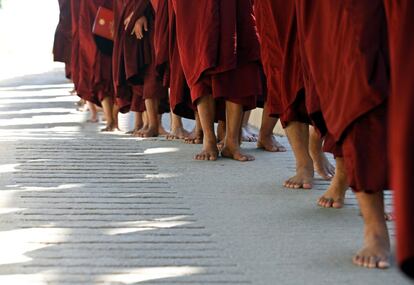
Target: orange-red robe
133	59
344	51
95	67
62	47
219	49
168	60
400	16
276	23
75	58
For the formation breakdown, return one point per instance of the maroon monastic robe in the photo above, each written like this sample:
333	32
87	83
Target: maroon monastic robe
344	52
276	23
134	59
168	62
75	59
400	14
62	46
220	54
95	67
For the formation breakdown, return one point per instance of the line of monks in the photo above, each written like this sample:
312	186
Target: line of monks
337	74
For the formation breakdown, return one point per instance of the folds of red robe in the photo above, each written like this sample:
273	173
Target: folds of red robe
95	68
400	14
344	46
75	59
134	60
62	47
168	64
276	23
219	49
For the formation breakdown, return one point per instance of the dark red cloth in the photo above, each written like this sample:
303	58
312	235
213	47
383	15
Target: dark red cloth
276	23
344	46
296	111
62	47
220	52
364	150
95	67
134	59
132	56
344	49
168	64
75	59
400	16
137	102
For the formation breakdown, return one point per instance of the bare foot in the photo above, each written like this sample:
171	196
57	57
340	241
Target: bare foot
334	197
302	180
80	103
247	136
108	129
376	251
132	132
149	133
178	134
195	137
270	144
208	153
93	120
162	132
137	133
234	152
322	166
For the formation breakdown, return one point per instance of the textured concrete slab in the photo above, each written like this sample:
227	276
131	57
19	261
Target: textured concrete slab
81	207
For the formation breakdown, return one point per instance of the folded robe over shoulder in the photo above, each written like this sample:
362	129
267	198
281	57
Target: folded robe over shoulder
62	46
400	16
219	49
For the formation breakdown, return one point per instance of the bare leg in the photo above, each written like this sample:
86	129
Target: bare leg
231	148
196	136
267	141
334	197
376	250
221	131
94	114
320	162
221	134
298	135
107	106
177	129
206	111
151	106
115	112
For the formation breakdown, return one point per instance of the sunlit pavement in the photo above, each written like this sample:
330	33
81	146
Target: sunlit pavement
81	207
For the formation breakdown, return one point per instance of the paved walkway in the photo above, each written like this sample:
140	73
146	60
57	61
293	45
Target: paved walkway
81	207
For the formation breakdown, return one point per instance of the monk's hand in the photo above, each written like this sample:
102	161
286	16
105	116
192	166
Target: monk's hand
141	26
128	20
